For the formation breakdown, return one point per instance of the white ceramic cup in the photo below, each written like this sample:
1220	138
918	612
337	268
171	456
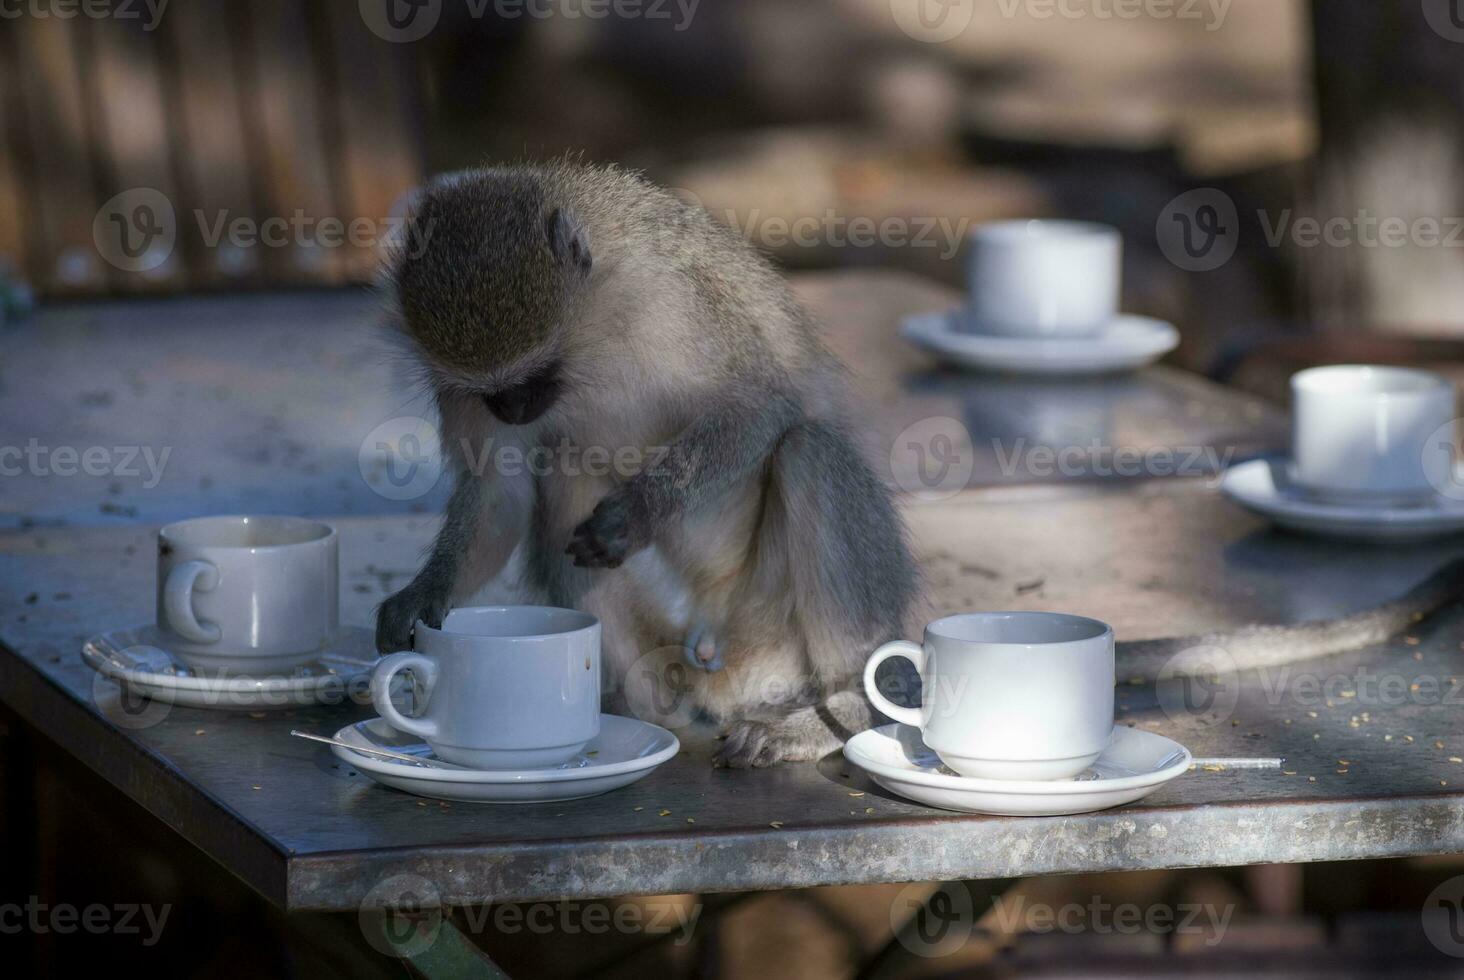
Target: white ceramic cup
506	687
1362	433
252	595
1043	278
1010	695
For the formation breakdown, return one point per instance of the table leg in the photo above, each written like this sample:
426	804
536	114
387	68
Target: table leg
929	917
433	946
1275	888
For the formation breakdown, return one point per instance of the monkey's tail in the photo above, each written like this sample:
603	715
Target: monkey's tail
1273	646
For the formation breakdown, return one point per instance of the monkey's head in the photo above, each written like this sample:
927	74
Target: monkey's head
487	280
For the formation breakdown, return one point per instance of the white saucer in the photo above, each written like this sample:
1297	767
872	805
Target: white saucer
1262	486
625	750
1134	764
138	659
1129	342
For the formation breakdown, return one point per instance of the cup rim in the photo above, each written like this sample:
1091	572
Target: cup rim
583	622
1097	629
175	531
1013	230
1323	380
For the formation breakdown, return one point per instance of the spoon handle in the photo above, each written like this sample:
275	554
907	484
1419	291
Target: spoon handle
384	753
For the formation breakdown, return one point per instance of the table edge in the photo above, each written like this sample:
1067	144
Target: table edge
61	717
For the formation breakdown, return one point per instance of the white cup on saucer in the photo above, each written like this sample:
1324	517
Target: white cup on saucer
1043	279
1363	434
506	687
249	595
1009	695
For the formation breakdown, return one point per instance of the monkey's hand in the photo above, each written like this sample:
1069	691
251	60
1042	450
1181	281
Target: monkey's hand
399	614
612	533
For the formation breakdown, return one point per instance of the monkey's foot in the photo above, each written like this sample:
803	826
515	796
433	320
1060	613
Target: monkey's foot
798	737
700	649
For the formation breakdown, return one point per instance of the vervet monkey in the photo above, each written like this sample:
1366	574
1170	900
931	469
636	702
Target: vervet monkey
579	309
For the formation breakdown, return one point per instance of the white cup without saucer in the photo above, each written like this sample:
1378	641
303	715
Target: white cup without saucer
1367	434
506	687
1009	695
1038	278
248	594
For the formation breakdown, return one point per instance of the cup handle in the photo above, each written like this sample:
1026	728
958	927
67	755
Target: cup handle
387	668
183	580
913	652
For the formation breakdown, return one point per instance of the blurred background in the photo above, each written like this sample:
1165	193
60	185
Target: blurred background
149	147
183	178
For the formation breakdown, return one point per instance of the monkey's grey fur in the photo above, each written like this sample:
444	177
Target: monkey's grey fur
590	309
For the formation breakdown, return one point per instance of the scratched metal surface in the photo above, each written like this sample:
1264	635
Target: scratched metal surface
263	403
1161	559
1155	422
197	405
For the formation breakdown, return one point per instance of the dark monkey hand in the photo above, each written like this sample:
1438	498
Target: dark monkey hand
613	532
400	613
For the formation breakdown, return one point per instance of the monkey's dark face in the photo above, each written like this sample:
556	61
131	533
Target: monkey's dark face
524	401
486	282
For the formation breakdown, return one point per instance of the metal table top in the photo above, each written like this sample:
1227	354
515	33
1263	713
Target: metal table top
272	403
1158	422
1161	558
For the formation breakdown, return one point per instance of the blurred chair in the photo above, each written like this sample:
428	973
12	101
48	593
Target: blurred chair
217	113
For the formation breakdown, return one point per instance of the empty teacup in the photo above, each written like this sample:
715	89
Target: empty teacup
1370	434
506	687
248	594
1044	278
1011	695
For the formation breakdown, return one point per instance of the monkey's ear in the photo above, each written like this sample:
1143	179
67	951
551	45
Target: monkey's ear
567	240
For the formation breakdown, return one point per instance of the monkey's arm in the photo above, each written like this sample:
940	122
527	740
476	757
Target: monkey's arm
482	526
720	448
